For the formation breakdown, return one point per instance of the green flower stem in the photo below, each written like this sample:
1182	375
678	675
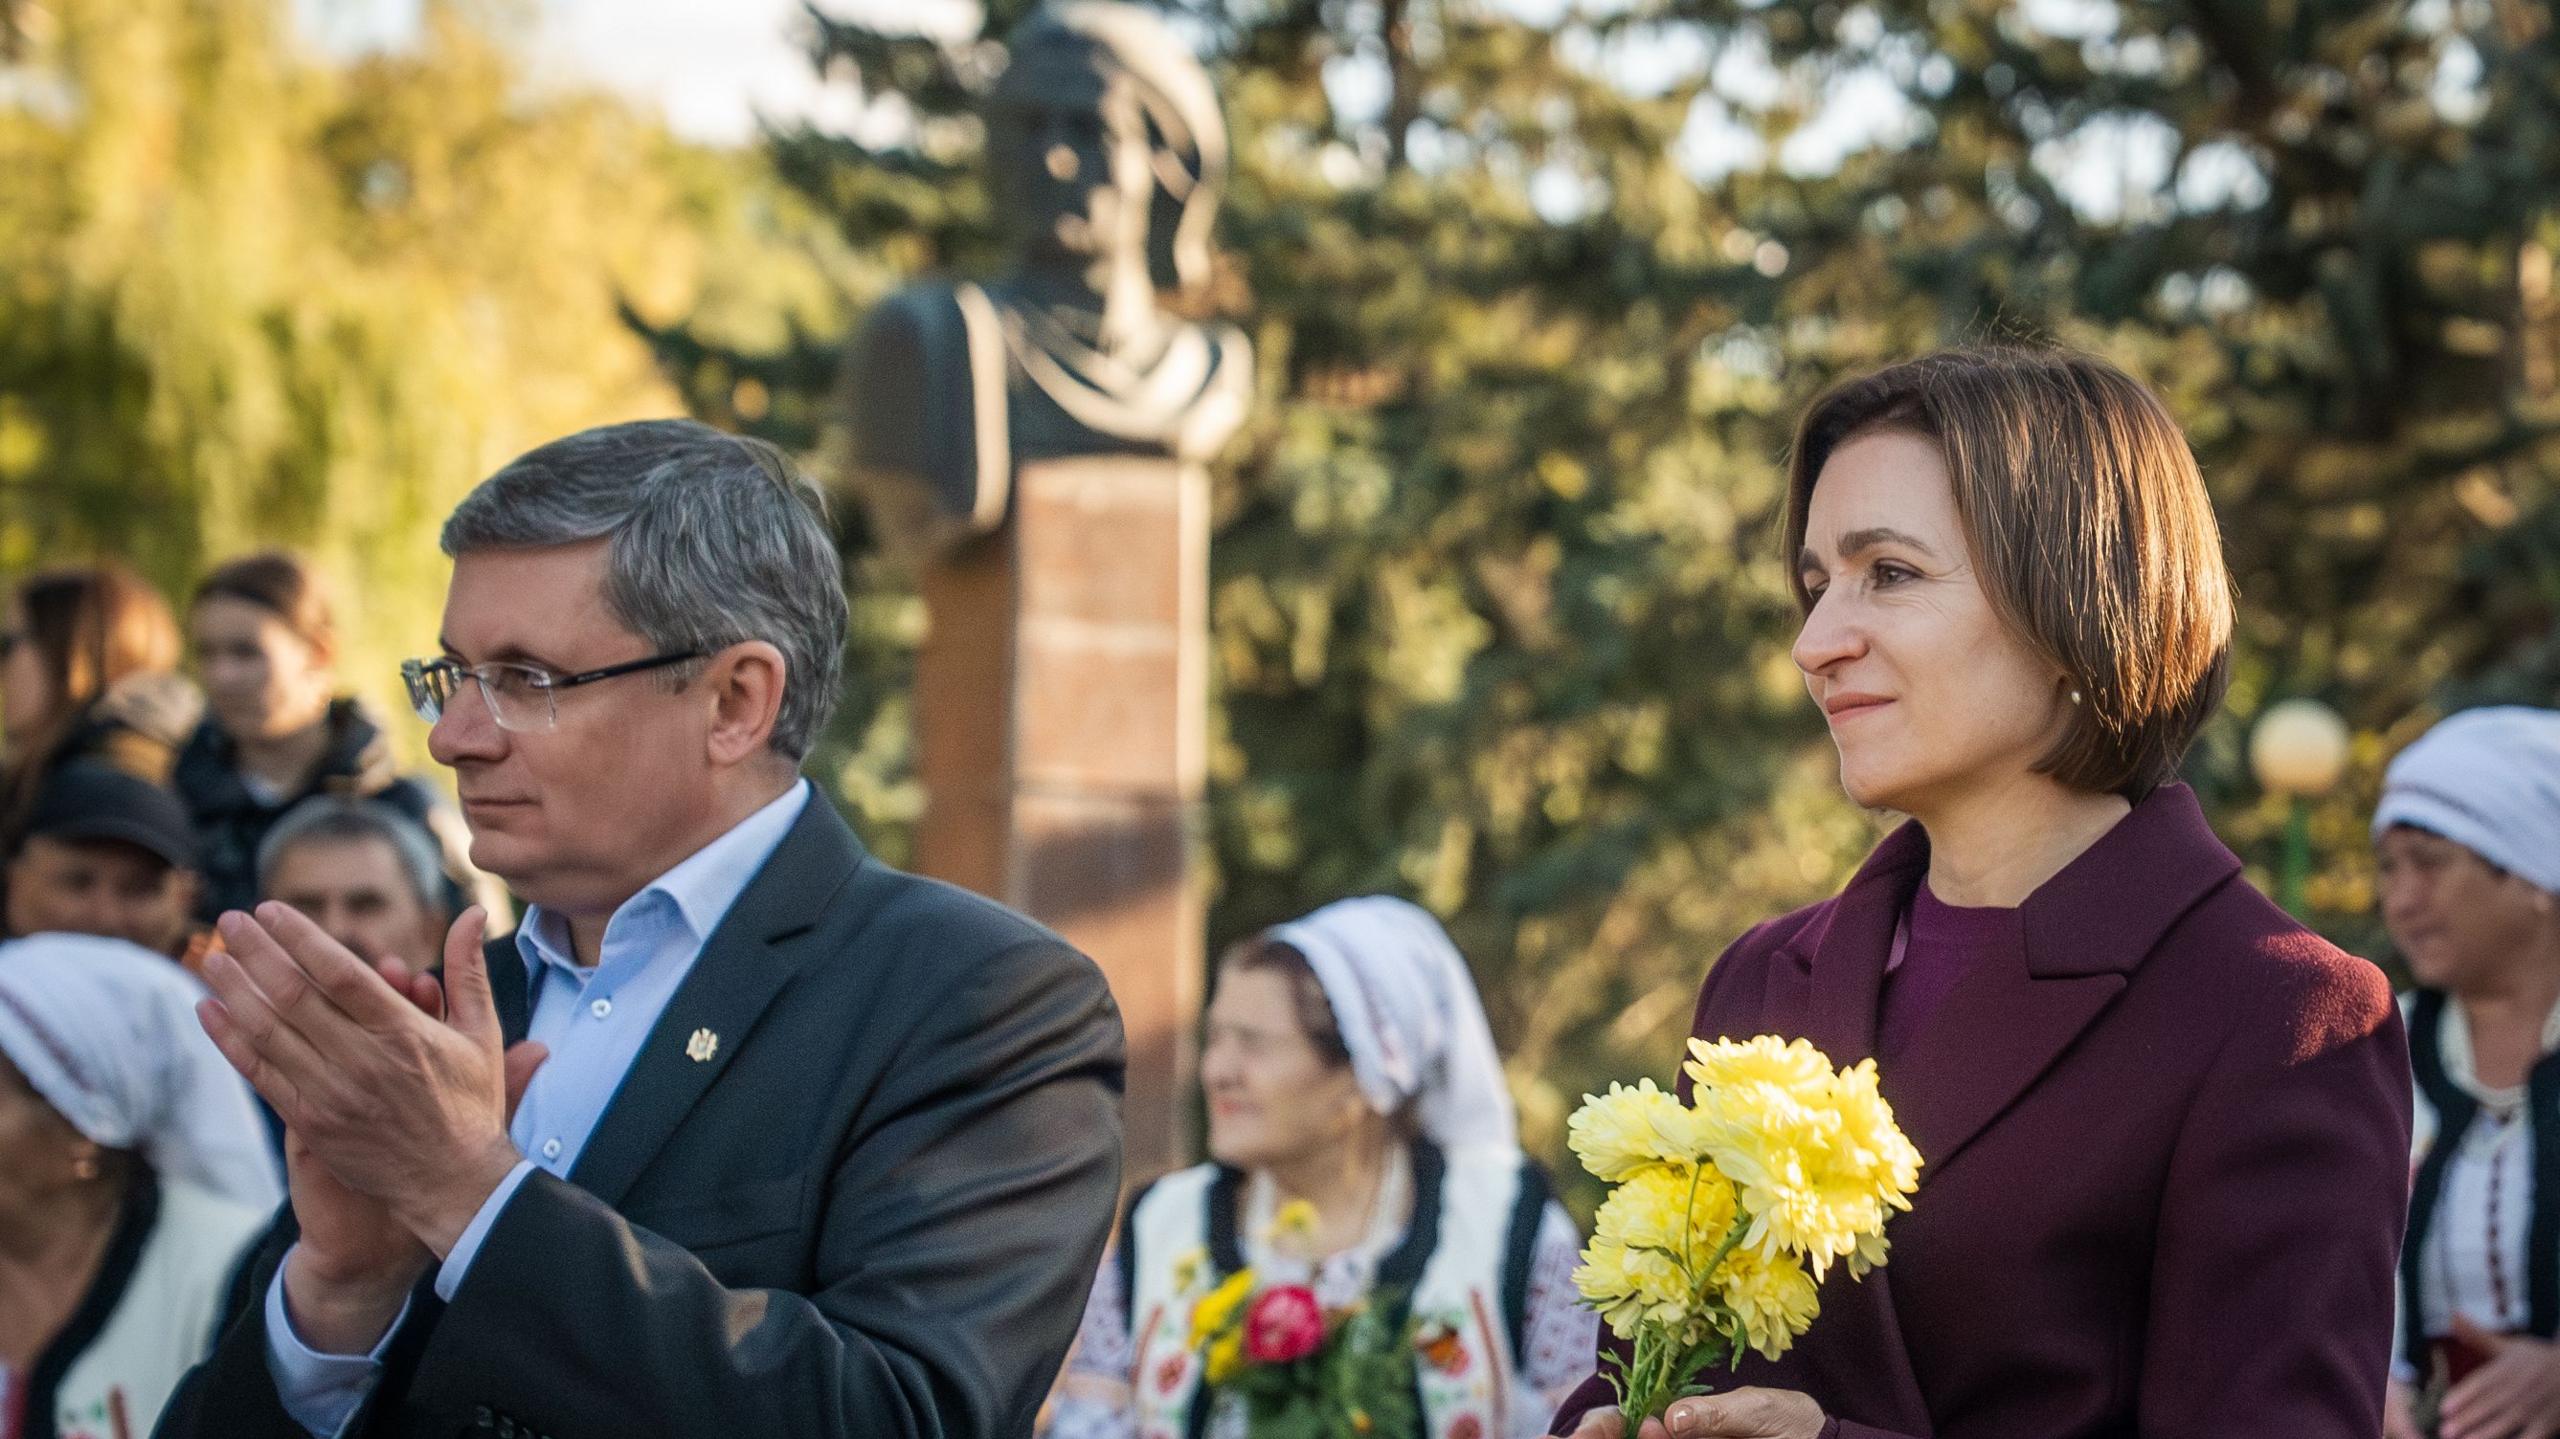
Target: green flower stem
1659	1368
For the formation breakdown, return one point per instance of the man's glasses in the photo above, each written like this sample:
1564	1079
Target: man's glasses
522	698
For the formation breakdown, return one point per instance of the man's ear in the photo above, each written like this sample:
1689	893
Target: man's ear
744	685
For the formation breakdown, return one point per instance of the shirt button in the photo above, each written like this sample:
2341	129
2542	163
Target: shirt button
551	1149
600	1008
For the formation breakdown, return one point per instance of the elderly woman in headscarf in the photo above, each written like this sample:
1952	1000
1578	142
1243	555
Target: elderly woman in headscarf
2468	841
134	1175
1348	1069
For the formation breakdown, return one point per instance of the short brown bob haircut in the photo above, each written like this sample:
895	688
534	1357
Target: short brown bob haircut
2090	529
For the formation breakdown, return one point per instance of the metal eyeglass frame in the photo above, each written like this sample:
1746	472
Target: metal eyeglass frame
414	673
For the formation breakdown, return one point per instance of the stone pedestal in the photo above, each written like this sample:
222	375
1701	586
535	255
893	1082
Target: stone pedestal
1061	730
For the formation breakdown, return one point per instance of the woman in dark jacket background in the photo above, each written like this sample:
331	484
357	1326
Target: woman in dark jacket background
277	732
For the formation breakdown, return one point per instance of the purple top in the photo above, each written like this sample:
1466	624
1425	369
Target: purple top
1939	943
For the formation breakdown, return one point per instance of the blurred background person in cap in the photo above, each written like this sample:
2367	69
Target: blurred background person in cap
88	671
367	874
105	853
133	1176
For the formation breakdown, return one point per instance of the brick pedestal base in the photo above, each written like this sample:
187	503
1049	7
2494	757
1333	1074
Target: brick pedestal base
1061	700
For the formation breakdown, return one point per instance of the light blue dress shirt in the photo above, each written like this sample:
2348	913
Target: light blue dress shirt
594	1022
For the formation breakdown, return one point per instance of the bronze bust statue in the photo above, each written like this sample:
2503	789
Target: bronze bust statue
1106	153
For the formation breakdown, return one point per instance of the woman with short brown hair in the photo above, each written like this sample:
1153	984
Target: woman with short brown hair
2079	501
2163	1128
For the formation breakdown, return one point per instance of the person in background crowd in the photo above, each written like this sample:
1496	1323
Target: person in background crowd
1348	1065
88	670
2468	842
367	874
133	1178
276	732
108	854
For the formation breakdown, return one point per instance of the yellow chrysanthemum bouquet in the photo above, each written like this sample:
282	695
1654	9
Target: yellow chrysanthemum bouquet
1727	1210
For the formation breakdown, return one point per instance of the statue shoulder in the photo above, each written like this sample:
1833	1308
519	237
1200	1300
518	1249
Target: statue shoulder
922	318
925	397
1234	352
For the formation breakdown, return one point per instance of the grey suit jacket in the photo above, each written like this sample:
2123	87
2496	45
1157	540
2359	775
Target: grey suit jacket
873	1211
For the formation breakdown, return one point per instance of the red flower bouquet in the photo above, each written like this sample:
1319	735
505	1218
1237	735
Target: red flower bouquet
1302	1371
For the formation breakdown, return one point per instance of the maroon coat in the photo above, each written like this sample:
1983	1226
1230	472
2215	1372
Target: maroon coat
2165	1146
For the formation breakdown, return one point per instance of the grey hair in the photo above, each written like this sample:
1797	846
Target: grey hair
713	539
341	820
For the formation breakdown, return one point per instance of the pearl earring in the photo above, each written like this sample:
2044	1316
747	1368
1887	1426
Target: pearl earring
2075	697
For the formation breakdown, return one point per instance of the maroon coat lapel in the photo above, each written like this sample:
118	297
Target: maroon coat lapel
1999	1028
1823	985
1846	951
2016	1010
2077	939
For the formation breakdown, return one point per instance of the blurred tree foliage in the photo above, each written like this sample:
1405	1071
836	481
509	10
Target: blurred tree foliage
253	295
2325	230
1537	292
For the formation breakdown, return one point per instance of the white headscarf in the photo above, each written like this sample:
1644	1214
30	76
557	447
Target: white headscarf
106	1031
1409	1014
2489	780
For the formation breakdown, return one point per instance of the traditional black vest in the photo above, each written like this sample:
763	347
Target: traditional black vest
1464	1260
2453	1111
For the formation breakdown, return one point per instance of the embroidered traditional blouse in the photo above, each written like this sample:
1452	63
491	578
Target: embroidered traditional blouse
1095	1397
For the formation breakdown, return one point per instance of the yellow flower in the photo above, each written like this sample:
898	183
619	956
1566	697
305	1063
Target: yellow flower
1792	1065
1188	1267
1816	1155
1293	1230
1218	1310
1628	1287
1652	1235
1669	1209
1296	1219
1226	1356
1772	1301
1874	1151
1626	1130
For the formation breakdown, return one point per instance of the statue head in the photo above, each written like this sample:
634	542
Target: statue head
1104	138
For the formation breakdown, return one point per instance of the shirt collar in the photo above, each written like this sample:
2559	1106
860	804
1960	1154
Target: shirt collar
2453	1046
700	889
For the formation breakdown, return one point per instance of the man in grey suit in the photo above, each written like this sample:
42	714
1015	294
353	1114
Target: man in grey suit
745	1133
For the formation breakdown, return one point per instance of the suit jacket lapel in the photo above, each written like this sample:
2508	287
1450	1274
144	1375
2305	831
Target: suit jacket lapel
743	966
510	985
